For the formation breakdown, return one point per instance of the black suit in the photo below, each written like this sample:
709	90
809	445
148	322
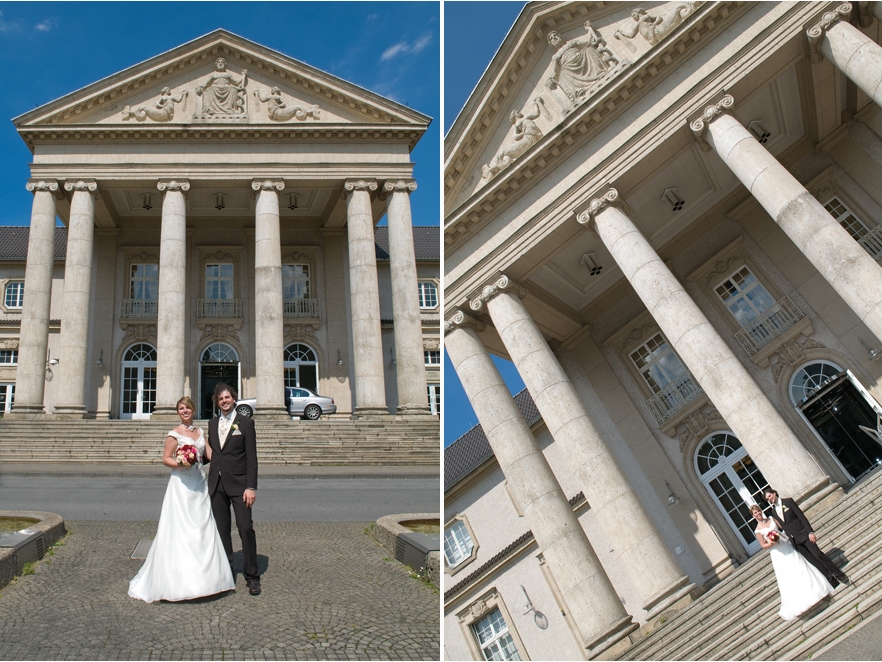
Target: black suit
797	527
232	470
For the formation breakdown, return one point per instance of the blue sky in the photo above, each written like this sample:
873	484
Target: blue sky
49	49
473	33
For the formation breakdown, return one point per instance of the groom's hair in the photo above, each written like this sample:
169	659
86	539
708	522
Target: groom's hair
770	490
220	388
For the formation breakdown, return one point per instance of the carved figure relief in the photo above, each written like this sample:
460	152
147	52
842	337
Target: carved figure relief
220	332
523	135
300	332
162	111
278	111
792	353
578	63
653	28
223	94
697	425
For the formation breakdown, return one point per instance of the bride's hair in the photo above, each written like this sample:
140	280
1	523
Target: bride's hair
755	507
187	400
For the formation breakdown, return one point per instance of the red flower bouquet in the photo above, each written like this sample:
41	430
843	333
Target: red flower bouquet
773	537
187	455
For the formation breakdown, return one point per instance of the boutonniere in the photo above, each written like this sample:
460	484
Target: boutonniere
784	508
235	427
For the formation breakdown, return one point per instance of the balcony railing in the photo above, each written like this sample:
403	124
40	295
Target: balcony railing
673	398
872	242
768	326
219	308
302	308
138	308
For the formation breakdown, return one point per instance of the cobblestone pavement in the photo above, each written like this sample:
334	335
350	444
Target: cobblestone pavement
329	593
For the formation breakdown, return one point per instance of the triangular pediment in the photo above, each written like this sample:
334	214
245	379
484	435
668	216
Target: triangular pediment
188	86
559	59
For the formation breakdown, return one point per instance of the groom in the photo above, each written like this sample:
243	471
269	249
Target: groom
232	479
795	524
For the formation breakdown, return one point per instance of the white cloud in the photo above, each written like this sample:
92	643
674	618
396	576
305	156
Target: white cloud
6	26
405	47
45	25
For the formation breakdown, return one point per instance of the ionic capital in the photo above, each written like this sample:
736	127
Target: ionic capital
463	320
360	185
42	185
267	185
400	186
610	198
817	32
712	112
88	185
503	284
173	185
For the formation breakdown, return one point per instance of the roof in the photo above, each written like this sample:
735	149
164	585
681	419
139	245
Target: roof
14	243
472	449
426	242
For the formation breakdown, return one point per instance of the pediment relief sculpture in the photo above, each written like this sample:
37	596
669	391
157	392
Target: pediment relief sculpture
222	95
578	64
653	27
523	134
279	111
162	111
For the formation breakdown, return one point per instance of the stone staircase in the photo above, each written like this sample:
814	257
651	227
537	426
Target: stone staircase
335	441
737	619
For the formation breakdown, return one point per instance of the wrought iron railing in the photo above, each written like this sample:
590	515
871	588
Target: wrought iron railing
219	308
872	242
138	308
772	323
302	308
673	398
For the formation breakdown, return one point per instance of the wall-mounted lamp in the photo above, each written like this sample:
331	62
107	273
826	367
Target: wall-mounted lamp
528	606
339	368
219	199
673	499
100	361
874	353
52	362
292	201
147	201
673	199
589	261
759	132
392	352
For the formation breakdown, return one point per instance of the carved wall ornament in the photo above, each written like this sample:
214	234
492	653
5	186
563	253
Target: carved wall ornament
267	185
219	255
360	185
278	111
523	135
697	425
400	186
826	192
578	64
162	111
699	126
295	257
143	256
42	185
300	332
431	343
222	94
725	267
173	185
503	284
219	332
90	187
140	332
637	334
461	319
790	354
654	27
10	343
817	32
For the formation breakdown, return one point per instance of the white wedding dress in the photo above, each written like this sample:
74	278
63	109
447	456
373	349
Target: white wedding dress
800	583
187	559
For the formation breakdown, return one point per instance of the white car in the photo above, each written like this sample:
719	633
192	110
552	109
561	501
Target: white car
301	402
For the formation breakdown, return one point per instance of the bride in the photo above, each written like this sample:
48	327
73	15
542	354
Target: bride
187	559
799	582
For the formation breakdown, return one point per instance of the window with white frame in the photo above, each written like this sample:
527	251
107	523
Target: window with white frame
432	356
494	639
8	356
7	397
144	282
428	295
847	219
14	296
295	281
219	281
434	393
658	364
744	296
458	543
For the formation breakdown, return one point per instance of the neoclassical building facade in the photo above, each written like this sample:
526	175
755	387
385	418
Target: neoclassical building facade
667	216
220	203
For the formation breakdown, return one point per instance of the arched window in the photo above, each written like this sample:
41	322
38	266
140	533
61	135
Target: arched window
301	366
810	378
219	353
138	396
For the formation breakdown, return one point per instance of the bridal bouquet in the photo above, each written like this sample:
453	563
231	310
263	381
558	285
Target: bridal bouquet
773	537
187	455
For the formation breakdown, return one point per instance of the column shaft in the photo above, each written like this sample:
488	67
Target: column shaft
269	327
752	417
76	307
640	549
586	589
364	292
838	258
867	139
171	322
34	337
410	360
855	55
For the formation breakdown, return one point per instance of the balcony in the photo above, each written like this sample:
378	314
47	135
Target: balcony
757	334
138	309
302	308
667	402
872	242
219	309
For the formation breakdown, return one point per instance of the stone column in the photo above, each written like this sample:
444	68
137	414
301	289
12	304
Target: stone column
770	442
849	49
838	258
867	139
171	305
410	360
34	336
269	327
76	309
364	292
639	548
585	587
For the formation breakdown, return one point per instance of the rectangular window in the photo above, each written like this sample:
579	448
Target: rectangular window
8	356
433	356
295	281
457	543
658	364
494	639
7	397
428	295
434	392
219	281
853	225
744	296
14	294
144	282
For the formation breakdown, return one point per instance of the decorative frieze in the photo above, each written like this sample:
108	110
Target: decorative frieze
162	111
725	267
139	332
791	354
431	343
654	27
279	111
219	332
698	425
503	284
817	32
294	332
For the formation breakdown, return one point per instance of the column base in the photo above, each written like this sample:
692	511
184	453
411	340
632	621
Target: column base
413	410
272	414
819	497
74	411
669	596
25	413
613	641
370	412
167	413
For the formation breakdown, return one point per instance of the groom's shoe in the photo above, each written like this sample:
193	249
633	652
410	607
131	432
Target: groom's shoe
843	579
254	586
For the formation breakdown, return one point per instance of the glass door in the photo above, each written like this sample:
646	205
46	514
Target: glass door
138	382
